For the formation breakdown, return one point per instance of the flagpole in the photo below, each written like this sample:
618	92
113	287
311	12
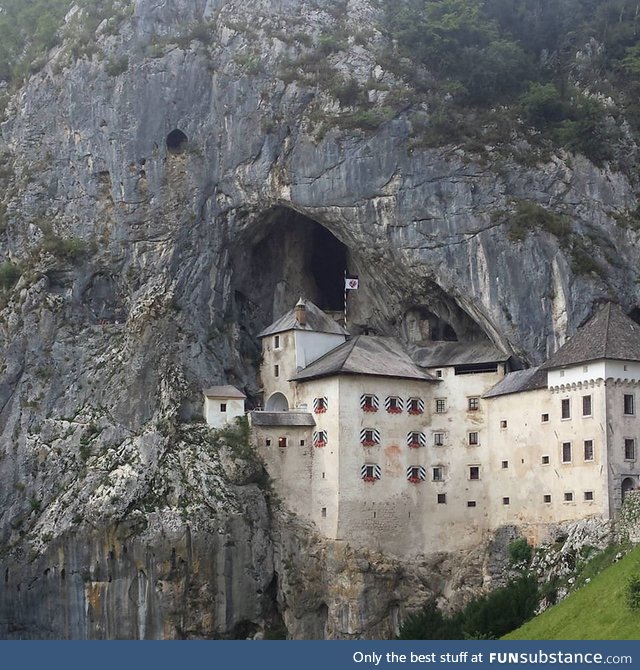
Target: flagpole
345	299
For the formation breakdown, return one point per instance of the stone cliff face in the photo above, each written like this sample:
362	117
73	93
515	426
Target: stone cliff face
166	197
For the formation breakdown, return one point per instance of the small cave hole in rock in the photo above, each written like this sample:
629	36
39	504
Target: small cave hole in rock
176	141
635	314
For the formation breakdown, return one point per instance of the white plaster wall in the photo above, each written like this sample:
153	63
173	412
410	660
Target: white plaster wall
585	372
616	370
285	358
311	345
217	418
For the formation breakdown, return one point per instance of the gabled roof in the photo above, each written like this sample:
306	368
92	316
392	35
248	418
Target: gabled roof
443	354
317	321
223	392
260	418
519	381
609	334
365	355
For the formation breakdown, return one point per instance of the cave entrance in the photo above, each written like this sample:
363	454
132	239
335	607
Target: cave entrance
283	255
176	141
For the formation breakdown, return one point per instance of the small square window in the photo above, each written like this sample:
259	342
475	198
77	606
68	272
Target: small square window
544	418
438	439
474	439
505	465
437	474
323	512
566	452
503	423
302	443
588	496
369	403
473	404
568	496
439	374
442	498
562	373
471	503
629	449
267	442
565	408
276	342
474	472
585	368
586	405
282	441
276	370
223	406
588	450
545	460
546	498
629	404
441	406
505	501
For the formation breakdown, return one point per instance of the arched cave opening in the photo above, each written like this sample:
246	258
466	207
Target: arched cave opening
176	141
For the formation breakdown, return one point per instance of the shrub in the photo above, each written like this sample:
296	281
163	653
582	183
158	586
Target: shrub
430	624
116	65
633	593
9	274
520	551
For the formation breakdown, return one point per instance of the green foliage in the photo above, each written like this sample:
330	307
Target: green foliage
484	618
528	215
116	65
66	248
633	593
237	436
520	551
9	274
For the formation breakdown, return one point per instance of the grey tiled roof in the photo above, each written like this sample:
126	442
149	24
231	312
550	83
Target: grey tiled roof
443	354
317	321
365	355
609	334
282	419
516	382
223	392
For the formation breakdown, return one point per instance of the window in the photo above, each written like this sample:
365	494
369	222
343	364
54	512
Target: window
505	465
442	498
503	423
544	418
282	442
416	439
302	443
276	370
369	403
439	374
393	405
629	449
369	437
416	474
474	472
585	368
441	406
323	512
473	404
370	473
320	405
588	450
568	496
276	342
629	408
546	498
415	406
471	503
566	452
320	438
588	496
505	501
438	439
437	474
223	406
545	460
473	439
586	405
565	406
562	373
267	442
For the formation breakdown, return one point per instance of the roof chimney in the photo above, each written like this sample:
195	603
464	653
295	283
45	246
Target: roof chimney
301	313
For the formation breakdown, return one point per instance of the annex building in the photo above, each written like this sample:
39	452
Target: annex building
433	451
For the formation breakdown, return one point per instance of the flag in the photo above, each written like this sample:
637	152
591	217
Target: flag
350	283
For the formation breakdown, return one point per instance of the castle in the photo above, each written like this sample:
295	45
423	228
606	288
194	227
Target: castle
415	455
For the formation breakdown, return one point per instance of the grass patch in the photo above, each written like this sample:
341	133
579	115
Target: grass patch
597	611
